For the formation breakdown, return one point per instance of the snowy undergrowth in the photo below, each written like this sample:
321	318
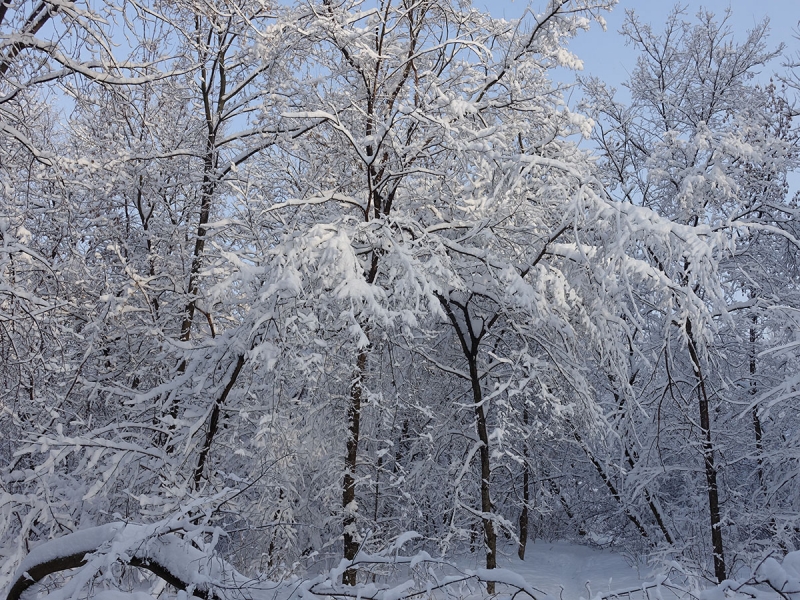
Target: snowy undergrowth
183	555
177	553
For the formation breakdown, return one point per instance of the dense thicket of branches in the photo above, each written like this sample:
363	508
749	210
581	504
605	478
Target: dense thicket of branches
320	274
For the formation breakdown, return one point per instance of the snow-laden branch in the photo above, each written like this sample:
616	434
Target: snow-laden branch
167	555
320	199
89	69
166	550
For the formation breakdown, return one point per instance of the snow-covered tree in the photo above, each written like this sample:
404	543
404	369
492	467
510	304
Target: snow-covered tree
318	275
701	145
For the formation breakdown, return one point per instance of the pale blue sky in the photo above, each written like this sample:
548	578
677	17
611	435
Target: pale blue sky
605	55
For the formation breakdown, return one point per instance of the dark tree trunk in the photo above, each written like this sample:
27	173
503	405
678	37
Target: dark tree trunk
609	483
351	458
349	536
759	434
213	423
206	197
523	515
489	534
470	343
708	460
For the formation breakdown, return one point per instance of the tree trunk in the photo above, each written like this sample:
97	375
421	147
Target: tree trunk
470	349
349	483
651	503
609	483
206	195
349	506
753	392
523	516
489	534
213	110
708	460
213	423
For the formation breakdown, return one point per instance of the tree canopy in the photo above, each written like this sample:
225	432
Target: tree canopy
285	282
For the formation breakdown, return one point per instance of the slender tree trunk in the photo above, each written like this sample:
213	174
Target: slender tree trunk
213	423
708	460
349	482
645	492
651	503
523	516
489	534
349	506
753	392
213	109
206	195
609	484
757	429
207	190
470	349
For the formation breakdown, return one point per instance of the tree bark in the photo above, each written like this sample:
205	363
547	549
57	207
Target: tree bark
349	482
523	515
470	346
759	434
708	460
64	562
489	534
213	423
206	196
609	483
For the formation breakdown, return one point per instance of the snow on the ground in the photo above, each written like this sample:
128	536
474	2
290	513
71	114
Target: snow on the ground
551	570
572	571
579	569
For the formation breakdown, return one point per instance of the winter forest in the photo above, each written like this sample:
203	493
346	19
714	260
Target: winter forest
317	298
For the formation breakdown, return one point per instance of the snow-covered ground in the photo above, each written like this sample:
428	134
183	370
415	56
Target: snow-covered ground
572	571
575	570
551	570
